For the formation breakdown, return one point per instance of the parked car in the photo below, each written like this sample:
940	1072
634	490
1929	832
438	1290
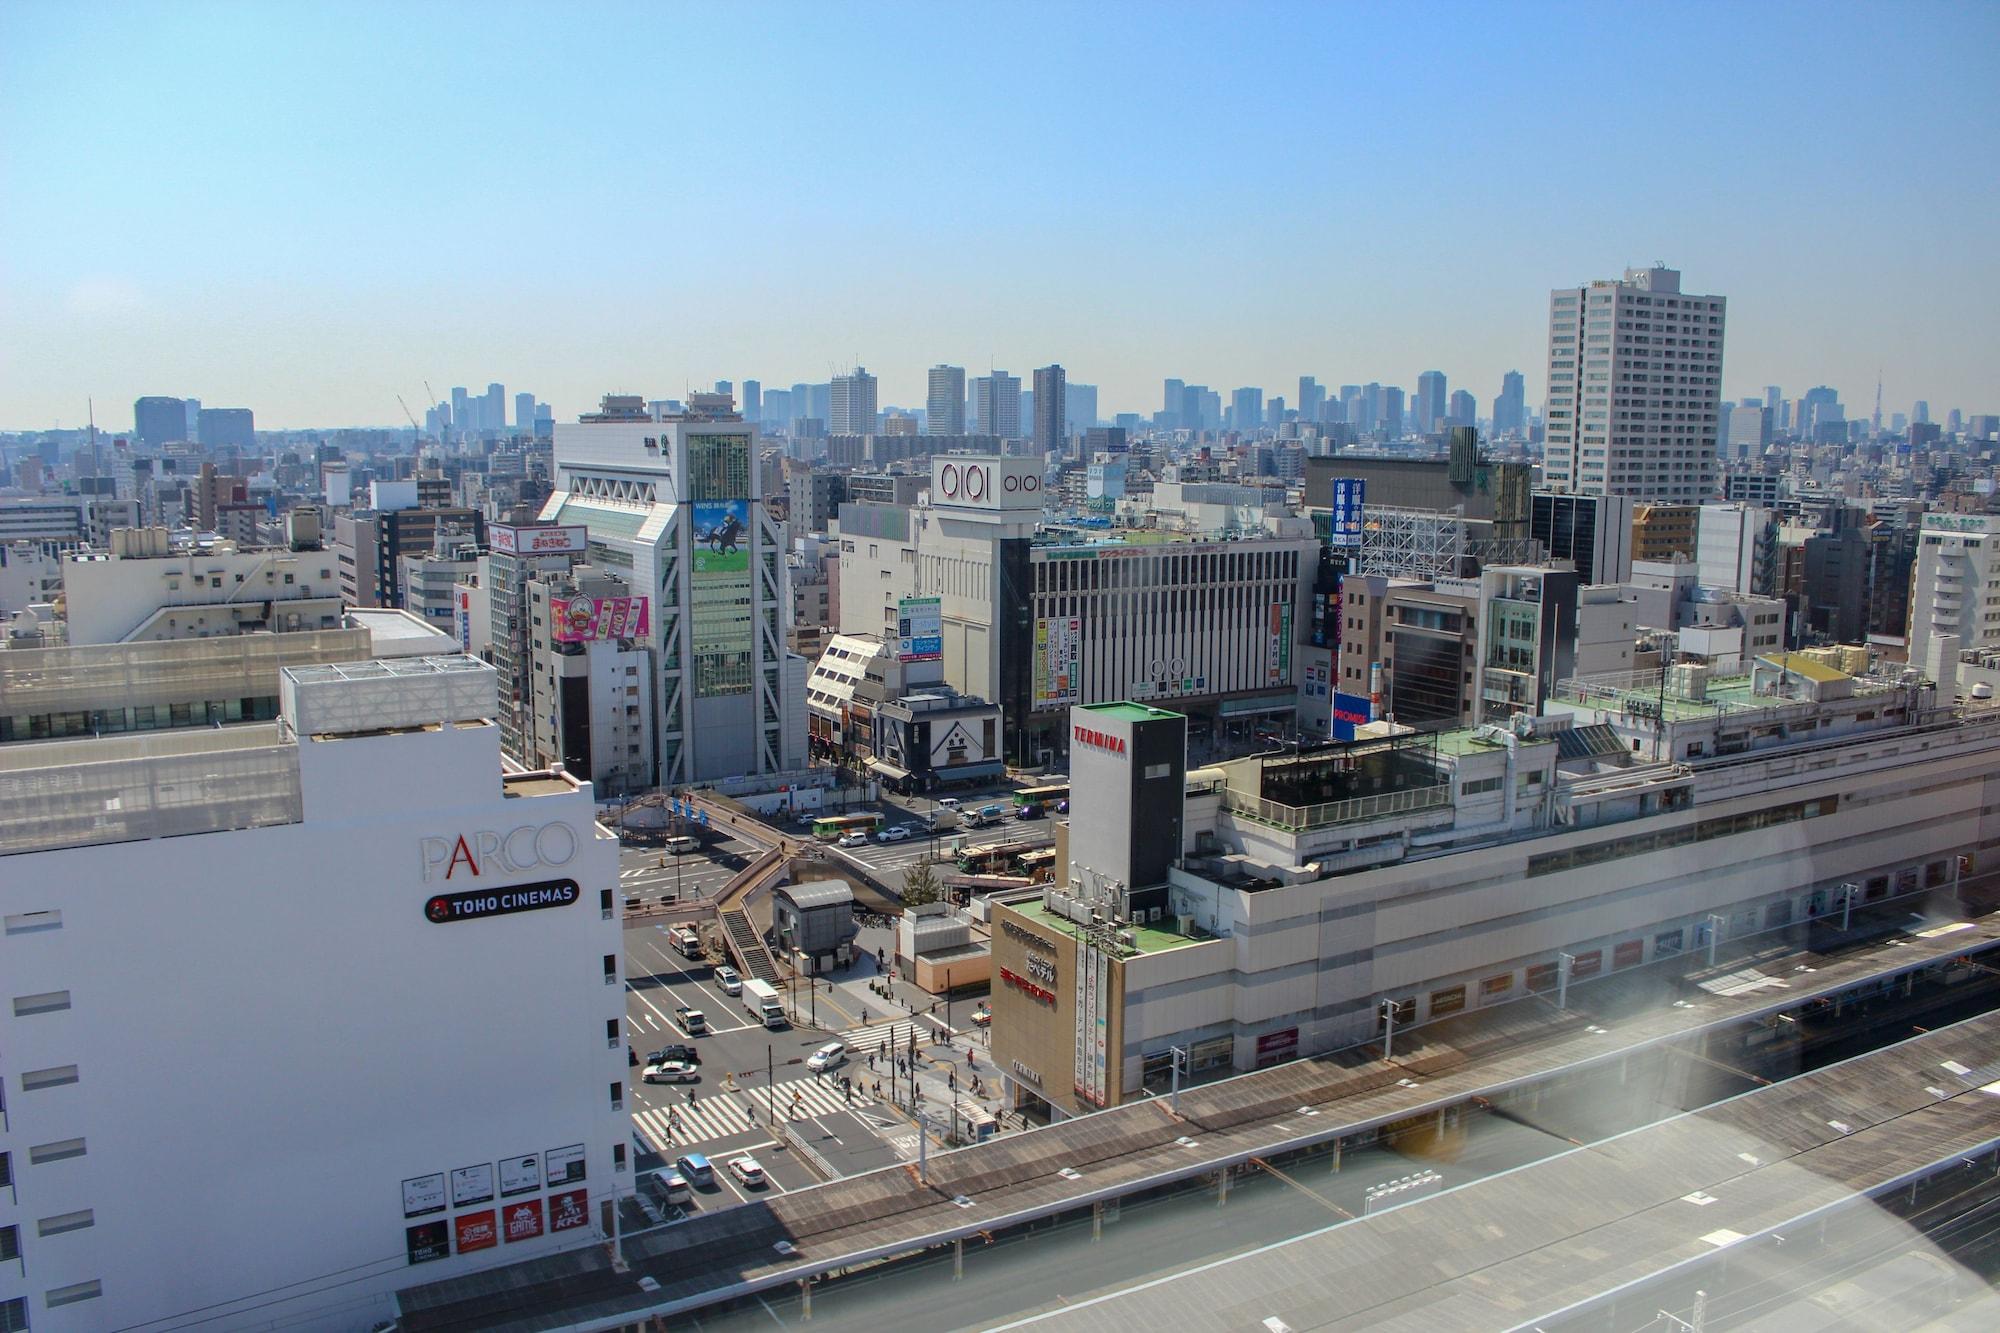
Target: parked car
672	1071
730	981
695	1168
896	834
685	1054
855	839
748	1170
830	1056
670	1186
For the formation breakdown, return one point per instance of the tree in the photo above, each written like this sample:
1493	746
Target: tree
920	884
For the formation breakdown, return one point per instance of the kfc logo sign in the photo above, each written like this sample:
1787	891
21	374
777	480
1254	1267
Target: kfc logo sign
479	853
1098	740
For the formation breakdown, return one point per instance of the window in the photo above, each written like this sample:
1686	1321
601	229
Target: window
14	1315
53	1077
604	903
1447	1001
10	1243
617	1096
61	1222
611	1033
617	1157
1667	943
43	1153
70	1295
27	923
610	969
48	1002
1628	954
1496	986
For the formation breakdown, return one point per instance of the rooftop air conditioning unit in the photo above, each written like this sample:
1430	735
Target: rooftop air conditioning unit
1184	924
1128	939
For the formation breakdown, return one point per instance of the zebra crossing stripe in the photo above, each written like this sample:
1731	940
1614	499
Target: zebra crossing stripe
724	1114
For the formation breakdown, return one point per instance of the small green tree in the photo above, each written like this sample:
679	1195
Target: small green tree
920	884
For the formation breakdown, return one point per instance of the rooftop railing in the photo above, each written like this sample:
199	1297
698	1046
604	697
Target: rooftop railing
1356	810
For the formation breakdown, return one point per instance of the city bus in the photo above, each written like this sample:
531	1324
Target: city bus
1039	864
1051	798
990	859
832	828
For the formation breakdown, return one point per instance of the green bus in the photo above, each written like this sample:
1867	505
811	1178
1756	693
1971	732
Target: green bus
1052	797
832	828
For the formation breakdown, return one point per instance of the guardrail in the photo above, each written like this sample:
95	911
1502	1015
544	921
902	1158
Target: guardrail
1336	812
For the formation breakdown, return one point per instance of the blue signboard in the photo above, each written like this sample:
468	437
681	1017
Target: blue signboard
1349	712
1348	494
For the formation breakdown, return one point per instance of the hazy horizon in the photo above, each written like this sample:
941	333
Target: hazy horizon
311	211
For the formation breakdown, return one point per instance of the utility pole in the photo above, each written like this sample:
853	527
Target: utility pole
1180	1055
1388	1027
770	1086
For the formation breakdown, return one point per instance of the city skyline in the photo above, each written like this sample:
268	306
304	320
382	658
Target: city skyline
339	248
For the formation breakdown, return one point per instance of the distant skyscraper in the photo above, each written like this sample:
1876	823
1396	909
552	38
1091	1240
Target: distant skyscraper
461	410
1371	408
1462	409
160	420
1246	409
1430	405
753	400
1776	403
1172	402
819	398
996	405
228	427
1192	397
724	386
524	413
853	404
193	420
1653	439
1080	408
494	414
1392	413
944	411
1920	412
1312	398
1510	412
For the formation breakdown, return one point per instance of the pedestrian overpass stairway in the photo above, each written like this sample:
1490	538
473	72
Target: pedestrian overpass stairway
741	941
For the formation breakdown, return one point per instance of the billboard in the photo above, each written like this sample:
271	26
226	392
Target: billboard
590	619
720	595
522	1221
569	1210
919	629
564	1165
427	1241
476	1231
721	537
1057	641
972	481
1349	711
1348	496
472	1184
515	540
423	1195
519	1175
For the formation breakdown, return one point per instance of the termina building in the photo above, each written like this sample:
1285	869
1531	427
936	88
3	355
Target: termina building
674	505
1291	904
1038	624
253	973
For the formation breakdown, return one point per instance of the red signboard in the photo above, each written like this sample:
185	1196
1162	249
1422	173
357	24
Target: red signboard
1013	978
523	1220
569	1210
589	619
476	1231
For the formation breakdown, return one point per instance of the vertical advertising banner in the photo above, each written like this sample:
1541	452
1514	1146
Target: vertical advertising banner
719	590
1278	648
1348	496
1057	644
919	629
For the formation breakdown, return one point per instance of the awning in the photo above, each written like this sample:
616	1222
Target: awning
991	768
888	770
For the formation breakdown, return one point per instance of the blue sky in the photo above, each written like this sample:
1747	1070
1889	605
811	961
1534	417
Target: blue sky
309	209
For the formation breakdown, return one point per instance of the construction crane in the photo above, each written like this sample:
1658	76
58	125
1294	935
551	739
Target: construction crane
412	418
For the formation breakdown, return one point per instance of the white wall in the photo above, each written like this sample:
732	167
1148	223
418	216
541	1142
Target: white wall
271	1037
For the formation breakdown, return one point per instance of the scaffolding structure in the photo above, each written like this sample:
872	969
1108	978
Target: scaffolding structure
1422	544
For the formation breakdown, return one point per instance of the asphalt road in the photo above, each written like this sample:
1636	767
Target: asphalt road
888	862
733	1104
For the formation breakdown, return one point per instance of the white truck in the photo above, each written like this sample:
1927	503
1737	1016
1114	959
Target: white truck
761	1002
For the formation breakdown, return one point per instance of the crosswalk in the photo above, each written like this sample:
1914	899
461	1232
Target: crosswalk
723	1114
865	1041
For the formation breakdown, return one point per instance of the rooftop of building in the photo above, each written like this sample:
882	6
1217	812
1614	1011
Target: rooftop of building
1127	711
1155	938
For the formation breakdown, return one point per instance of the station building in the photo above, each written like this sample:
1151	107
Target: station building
1299	902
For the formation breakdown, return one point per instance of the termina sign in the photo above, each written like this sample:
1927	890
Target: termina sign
1098	740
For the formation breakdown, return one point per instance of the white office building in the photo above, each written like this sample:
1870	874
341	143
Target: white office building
944	409
145	587
293	1006
1957	586
1635	386
675	507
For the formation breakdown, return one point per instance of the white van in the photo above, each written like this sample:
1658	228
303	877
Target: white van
667	1185
680	845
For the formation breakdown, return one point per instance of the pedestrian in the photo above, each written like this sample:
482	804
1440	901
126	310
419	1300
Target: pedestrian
690	1096
871	1059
